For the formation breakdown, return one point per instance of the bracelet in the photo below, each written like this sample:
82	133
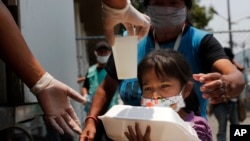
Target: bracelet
92	117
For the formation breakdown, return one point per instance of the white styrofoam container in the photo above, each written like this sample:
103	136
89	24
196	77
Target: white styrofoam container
166	124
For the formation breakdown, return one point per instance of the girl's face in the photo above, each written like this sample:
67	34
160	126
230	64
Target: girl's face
155	88
170	3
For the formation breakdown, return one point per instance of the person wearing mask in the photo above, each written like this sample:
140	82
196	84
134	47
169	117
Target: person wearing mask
52	94
165	79
215	77
96	73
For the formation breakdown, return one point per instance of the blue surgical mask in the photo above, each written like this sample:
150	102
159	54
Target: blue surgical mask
166	17
175	102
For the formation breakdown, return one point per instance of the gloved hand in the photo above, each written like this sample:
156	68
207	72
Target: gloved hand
86	98
132	19
53	96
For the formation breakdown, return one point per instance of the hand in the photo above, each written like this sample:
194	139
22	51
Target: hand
53	95
214	86
132	19
89	131
131	136
86	98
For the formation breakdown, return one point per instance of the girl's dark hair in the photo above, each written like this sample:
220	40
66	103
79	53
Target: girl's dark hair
168	62
188	3
192	103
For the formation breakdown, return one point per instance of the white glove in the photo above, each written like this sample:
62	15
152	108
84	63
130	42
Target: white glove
53	96
86	98
129	17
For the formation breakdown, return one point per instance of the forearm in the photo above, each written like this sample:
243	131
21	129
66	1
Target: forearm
84	91
103	96
117	4
15	52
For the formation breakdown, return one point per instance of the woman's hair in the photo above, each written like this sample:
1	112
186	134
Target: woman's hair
188	3
168	62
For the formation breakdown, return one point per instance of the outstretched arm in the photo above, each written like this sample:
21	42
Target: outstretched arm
52	94
15	52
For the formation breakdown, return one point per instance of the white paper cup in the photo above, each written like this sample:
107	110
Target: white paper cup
125	56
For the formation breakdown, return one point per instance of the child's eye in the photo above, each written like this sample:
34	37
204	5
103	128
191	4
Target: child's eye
147	89
164	86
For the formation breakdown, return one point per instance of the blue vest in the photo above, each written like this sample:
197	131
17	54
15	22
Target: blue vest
129	89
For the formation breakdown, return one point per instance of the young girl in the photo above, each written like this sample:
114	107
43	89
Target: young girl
166	80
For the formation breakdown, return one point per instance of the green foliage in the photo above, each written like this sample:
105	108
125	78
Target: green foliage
200	15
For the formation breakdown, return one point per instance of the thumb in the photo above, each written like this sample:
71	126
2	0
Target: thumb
75	95
109	33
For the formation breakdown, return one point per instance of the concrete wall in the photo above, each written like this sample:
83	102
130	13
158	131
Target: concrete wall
49	29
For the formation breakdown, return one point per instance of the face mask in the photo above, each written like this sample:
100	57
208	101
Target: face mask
174	102
102	59
166	17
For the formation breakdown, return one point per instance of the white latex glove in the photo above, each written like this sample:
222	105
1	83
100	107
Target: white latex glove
53	96
86	98
135	22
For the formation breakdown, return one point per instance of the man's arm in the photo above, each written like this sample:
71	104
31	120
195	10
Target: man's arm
15	52
52	94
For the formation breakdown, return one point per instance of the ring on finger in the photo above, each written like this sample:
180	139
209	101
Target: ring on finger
219	81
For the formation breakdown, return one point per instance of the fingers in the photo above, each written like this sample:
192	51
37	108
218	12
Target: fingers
75	95
83	138
54	124
212	86
72	114
205	78
61	122
147	133
138	132
219	99
66	123
71	121
137	135
59	125
142	31
88	133
220	83
130	29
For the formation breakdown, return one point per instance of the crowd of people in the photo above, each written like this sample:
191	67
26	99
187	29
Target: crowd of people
165	26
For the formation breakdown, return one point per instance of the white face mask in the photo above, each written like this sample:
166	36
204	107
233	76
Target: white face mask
175	102
102	59
166	17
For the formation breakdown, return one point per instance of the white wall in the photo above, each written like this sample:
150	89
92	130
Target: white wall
48	27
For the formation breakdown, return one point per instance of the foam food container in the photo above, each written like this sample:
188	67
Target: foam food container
166	124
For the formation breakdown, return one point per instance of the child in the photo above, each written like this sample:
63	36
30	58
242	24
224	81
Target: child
166	80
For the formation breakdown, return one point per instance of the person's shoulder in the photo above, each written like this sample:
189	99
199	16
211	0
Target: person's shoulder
199	119
92	68
197	30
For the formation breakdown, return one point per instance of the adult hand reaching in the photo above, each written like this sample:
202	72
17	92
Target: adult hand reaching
135	22
214	86
53	96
